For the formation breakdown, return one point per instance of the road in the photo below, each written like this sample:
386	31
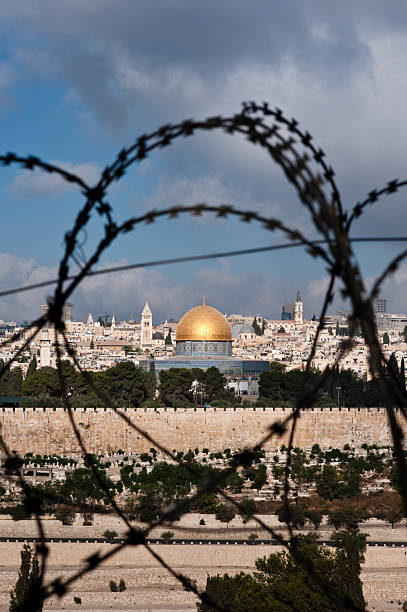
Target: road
190	541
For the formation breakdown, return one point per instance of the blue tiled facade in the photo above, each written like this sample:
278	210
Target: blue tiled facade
203	348
229	367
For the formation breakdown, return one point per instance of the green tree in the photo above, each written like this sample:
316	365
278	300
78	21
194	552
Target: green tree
391	515
65	515
88	483
110	535
396	378
351	546
149	506
176	387
152	382
127	383
247	508
315	517
328	484
234	482
386	339
215	386
258	476
270	383
402	374
26	595
292	513
256	327
280	584
168	341
11	381
46	381
32	367
345	517
225	513
281	330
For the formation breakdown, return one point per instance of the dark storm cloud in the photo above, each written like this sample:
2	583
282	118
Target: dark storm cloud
210	36
339	67
332	65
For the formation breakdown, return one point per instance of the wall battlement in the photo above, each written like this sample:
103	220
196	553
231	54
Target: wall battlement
48	430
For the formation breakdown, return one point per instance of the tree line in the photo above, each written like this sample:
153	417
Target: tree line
278	387
123	384
127	384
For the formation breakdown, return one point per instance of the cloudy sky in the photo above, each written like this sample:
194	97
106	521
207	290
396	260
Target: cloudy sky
81	79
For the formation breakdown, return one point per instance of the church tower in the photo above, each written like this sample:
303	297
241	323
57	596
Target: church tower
146	327
298	309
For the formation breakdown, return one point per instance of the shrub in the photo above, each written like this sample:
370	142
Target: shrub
167	535
247	508
77	600
18	513
202	522
253	536
110	535
225	513
87	518
291	513
113	586
315	517
345	517
122	585
65	515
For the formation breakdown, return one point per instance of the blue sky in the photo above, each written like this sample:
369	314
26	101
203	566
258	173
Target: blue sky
81	79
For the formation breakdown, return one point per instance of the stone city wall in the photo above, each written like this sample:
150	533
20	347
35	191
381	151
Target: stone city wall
49	430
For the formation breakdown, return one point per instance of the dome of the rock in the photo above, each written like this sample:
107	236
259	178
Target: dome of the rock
203	330
204	340
204	323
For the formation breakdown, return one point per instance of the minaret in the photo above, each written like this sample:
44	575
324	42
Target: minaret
89	322
45	349
146	327
113	324
298	309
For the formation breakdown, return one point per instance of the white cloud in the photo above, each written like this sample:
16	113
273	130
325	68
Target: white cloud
37	183
124	293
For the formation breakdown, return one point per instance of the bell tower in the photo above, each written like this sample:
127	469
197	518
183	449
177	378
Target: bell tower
146	333
298	309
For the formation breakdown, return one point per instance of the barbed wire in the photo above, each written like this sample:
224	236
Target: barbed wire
201	257
304	167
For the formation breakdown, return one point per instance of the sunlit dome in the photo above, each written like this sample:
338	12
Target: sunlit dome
204	323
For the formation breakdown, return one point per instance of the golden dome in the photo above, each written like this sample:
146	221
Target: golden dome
204	323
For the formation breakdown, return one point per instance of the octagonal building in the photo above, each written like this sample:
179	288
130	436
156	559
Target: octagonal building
204	331
203	340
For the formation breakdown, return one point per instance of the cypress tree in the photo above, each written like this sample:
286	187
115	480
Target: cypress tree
152	382
26	595
402	374
168	341
256	327
32	367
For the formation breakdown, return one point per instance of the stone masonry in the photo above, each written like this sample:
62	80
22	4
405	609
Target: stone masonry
49	430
